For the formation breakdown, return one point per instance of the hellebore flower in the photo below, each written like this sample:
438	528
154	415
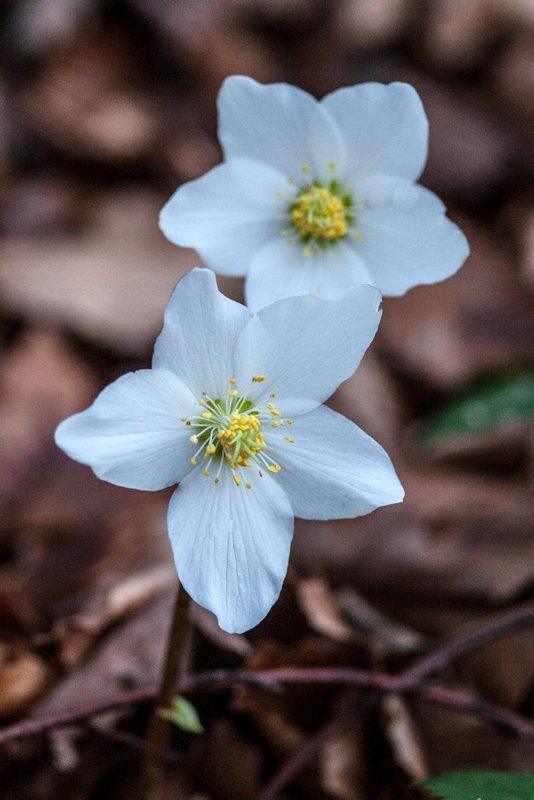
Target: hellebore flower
231	410
314	197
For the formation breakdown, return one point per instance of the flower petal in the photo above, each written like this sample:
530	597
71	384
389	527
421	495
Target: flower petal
406	239
281	270
231	545
306	346
384	126
227	214
280	125
199	333
333	470
131	435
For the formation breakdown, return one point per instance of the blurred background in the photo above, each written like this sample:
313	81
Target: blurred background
105	107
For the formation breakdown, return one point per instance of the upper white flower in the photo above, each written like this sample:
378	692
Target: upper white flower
314	197
231	410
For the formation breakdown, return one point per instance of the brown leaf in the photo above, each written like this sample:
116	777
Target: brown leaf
404	737
23	678
111	284
321	609
343	764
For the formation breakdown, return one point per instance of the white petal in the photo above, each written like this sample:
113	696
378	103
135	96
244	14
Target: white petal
227	214
132	435
281	270
231	545
333	470
384	126
199	333
306	346
406	239
280	125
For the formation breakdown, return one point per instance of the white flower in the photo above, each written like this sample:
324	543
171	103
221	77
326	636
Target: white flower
317	196
231	410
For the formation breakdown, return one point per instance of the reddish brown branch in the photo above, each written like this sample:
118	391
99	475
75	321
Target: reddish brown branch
410	681
443	656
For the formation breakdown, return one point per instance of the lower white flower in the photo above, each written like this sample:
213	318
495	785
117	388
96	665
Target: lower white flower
314	197
231	410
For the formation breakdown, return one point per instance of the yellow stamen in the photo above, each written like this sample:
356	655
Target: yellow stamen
289	439
319	213
237	479
258	378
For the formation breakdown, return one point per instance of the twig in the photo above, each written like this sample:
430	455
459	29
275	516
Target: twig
310	747
466	703
411	680
443	656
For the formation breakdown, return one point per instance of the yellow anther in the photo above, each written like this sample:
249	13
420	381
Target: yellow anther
232	392
289	421
289	439
207	414
210	449
232	381
274	468
193	460
216	480
319	213
206	473
248	485
258	378
184	419
237	479
305	168
272	395
274	424
193	439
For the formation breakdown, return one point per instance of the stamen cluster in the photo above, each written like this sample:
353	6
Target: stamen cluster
230	431
319	213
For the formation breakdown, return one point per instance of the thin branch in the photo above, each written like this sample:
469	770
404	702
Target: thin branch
467	704
443	656
313	744
271	680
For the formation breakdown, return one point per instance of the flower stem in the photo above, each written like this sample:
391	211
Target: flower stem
159	729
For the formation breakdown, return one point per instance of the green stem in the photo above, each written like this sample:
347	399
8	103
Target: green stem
159	729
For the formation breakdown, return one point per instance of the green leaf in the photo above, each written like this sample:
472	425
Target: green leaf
485	406
183	714
481	786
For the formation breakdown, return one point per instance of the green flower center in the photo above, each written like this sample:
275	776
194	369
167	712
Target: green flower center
321	214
